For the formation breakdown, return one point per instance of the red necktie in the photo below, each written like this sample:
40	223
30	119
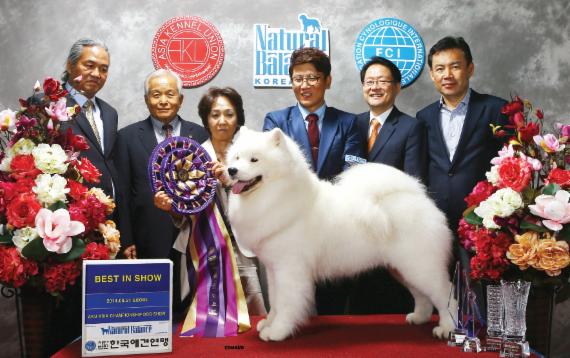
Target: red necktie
313	131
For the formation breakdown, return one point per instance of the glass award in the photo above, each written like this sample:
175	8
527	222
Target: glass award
515	297
472	344
495	315
456	309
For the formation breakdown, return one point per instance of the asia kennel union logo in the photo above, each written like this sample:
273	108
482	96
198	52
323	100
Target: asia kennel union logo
190	46
272	49
395	40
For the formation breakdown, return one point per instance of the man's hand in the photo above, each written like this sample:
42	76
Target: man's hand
130	252
162	201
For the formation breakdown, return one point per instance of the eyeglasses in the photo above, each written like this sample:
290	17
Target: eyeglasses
379	83
311	80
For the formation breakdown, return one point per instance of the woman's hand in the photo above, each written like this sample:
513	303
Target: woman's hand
163	201
220	173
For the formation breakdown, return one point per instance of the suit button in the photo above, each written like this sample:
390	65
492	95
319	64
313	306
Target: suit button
450	174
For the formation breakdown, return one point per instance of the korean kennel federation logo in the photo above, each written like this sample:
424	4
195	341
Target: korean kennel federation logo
394	40
190	46
272	49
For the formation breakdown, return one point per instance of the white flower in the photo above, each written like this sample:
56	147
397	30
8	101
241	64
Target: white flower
50	159
7	161
502	203
24	236
23	146
8	121
493	175
50	189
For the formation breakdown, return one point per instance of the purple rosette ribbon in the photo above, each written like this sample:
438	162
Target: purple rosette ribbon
179	167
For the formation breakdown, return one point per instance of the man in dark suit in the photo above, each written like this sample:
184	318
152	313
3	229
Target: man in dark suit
328	137
147	231
393	138
459	136
331	138
85	74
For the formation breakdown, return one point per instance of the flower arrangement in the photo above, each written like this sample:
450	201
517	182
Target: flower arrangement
518	220
49	220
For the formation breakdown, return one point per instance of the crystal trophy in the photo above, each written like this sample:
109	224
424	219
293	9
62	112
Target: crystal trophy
471	342
515	297
495	314
455	307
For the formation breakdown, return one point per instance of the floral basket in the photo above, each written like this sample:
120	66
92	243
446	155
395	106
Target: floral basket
517	224
49	219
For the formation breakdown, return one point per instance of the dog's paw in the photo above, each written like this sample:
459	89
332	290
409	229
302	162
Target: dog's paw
274	333
417	318
441	332
261	324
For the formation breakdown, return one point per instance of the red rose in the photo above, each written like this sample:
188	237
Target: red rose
76	190
480	192
514	173
89	211
527	132
465	232
53	89
22	210
560	177
513	107
89	172
23	166
58	275
75	142
539	113
517	119
95	251
14	269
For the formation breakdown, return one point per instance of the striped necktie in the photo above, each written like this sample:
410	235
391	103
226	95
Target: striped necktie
88	106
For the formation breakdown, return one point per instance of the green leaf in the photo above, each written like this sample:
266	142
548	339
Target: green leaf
57	205
473	219
35	250
77	249
564	234
525	225
550	189
6	238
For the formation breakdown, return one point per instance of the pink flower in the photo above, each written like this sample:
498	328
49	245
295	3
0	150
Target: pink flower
549	143
505	152
56	228
555	209
58	110
564	129
8	120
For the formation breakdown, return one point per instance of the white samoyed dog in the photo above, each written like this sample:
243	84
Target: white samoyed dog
305	230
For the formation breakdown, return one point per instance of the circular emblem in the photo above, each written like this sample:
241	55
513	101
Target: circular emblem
90	346
394	40
190	46
177	166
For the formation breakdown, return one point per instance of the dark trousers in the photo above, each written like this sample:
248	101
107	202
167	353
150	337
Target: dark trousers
331	297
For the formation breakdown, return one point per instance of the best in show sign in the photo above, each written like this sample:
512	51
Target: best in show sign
127	307
272	49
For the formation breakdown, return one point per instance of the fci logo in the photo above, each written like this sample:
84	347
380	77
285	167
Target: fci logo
394	40
189	46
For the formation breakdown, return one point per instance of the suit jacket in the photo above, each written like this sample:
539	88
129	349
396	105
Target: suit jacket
338	137
401	142
104	161
449	182
140	222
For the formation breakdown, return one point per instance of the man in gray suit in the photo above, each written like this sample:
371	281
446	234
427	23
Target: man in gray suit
393	138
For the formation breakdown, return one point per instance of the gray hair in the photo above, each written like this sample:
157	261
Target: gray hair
75	53
161	72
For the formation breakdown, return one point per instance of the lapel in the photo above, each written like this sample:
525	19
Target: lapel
386	132
435	115
474	111
146	135
328	132
109	132
84	125
185	129
299	132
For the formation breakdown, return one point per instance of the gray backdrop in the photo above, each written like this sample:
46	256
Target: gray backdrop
519	47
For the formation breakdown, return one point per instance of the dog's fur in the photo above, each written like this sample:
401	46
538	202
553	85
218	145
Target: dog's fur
305	230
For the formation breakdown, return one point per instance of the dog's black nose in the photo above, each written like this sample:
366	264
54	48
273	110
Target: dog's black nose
232	171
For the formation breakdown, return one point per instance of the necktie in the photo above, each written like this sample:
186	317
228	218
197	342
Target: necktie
375	128
89	115
167	130
313	131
